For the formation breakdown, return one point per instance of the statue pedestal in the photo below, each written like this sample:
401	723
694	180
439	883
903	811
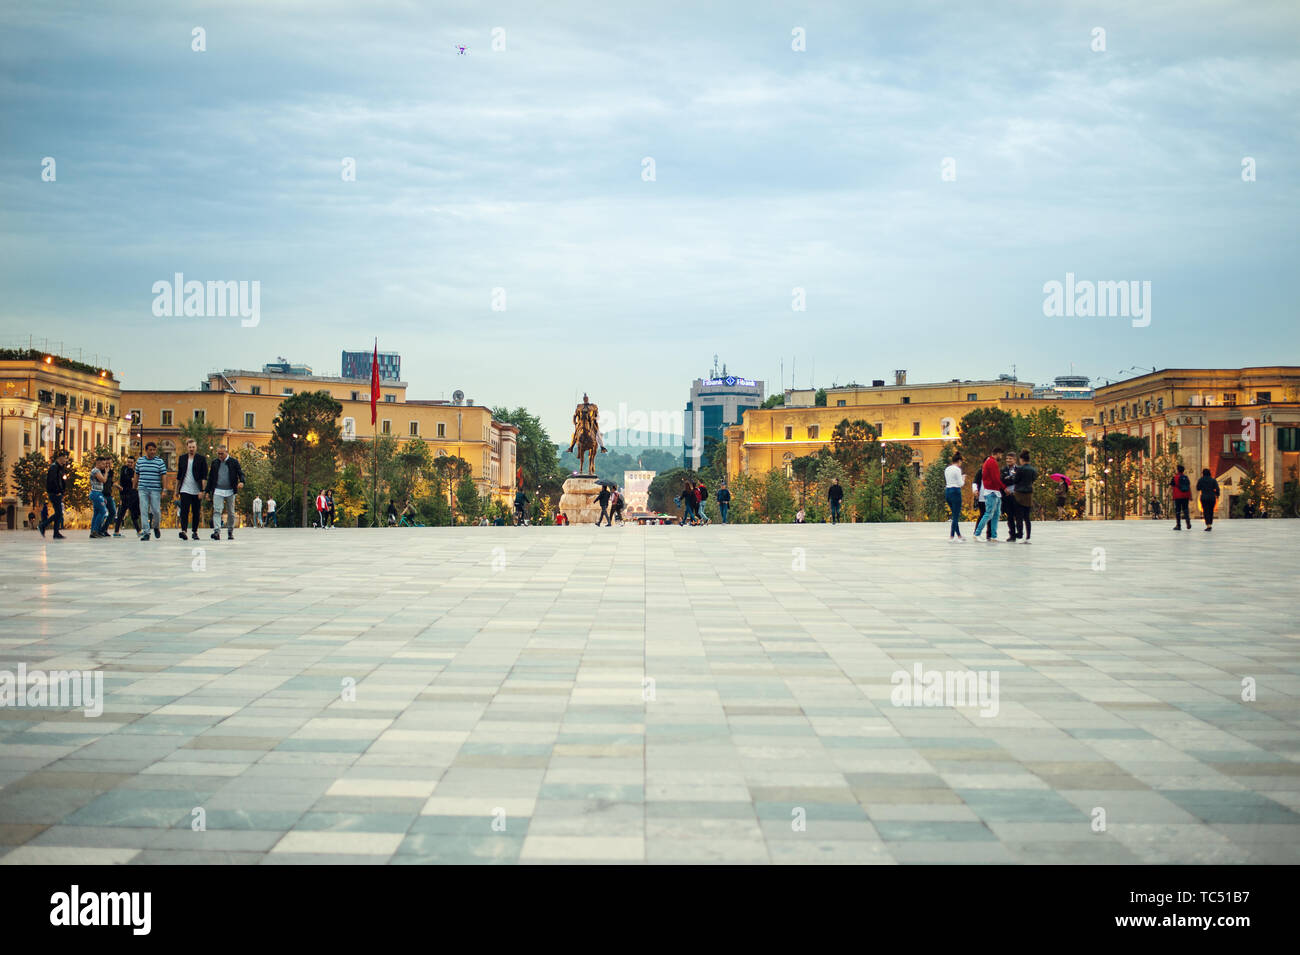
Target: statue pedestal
578	502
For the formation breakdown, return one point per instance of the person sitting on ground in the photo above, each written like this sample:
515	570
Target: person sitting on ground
799	516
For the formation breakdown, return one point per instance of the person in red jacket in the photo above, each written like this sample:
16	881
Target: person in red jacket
993	488
1181	486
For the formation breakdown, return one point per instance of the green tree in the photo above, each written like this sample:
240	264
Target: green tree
819	399
984	429
804	471
28	475
853	445
304	446
773	401
536	454
1288	502
668	485
1118	458
1053	449
258	478
1253	494
467	499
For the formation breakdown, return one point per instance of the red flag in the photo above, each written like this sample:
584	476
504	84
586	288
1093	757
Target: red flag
374	385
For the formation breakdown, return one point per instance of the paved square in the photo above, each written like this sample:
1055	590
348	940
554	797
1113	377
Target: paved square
659	694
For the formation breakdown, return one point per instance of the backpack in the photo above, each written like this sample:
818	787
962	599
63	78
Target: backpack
704	493
1184	485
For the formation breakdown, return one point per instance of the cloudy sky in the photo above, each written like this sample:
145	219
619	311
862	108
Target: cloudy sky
774	169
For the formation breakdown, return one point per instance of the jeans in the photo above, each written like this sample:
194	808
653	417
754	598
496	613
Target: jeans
1182	512
952	496
220	499
724	507
835	512
101	512
150	509
191	505
56	514
272	519
992	510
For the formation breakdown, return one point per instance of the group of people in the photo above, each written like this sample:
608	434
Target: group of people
1207	488
611	506
691	498
140	485
325	509
1002	485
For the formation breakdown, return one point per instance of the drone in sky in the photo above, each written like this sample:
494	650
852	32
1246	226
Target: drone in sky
460	50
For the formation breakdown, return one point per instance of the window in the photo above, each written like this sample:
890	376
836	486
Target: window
167	418
85	404
1160	445
916	469
789	433
390	397
27	439
46	397
415	429
880	429
135	416
1229	398
1160	405
287	391
907	400
839	402
1232	444
972	396
916	429
1288	439
387	427
1263	397
1147	408
356	396
99	407
255	390
60	401
442	429
813	431
248	421
200	414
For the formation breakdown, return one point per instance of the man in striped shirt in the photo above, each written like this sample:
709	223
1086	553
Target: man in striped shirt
149	471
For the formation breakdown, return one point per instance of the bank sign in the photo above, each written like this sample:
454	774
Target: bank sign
731	381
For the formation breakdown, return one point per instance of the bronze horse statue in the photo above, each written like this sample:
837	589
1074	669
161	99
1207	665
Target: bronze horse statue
586	435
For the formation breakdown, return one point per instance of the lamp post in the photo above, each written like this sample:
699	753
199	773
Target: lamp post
293	465
881	516
310	438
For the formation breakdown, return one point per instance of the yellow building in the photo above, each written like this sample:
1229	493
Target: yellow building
49	402
923	416
1225	419
241	406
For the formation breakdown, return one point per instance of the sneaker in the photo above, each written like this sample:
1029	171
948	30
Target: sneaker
1028	542
216	535
157	533
994	540
117	533
230	535
59	537
183	537
1207	530
144	537
1177	528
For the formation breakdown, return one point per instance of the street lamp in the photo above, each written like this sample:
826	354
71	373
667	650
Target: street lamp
881	516
293	465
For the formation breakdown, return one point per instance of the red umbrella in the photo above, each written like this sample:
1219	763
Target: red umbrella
1060	478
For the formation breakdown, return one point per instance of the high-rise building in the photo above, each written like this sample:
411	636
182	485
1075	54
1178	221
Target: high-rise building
716	403
356	364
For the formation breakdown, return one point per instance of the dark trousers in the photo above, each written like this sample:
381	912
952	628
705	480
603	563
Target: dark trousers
835	512
604	515
191	505
1207	508
130	505
56	516
112	509
1182	512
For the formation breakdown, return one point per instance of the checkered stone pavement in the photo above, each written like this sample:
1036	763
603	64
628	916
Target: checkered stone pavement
658	694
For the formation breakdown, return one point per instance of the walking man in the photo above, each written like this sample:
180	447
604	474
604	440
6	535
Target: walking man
225	480
1010	507
1181	486
149	471
953	480
257	511
616	505
56	483
603	499
1208	489
835	494
329	501
322	506
130	499
270	513
993	488
724	501
191	472
701	495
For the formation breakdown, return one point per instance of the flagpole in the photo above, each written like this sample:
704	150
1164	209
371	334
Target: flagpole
374	472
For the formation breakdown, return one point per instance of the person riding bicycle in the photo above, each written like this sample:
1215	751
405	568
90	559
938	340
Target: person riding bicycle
521	503
408	515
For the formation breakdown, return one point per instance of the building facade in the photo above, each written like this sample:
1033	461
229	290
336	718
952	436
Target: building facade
48	402
924	416
1231	421
241	406
356	364
716	403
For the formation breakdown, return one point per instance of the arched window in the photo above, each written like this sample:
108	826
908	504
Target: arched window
787	463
